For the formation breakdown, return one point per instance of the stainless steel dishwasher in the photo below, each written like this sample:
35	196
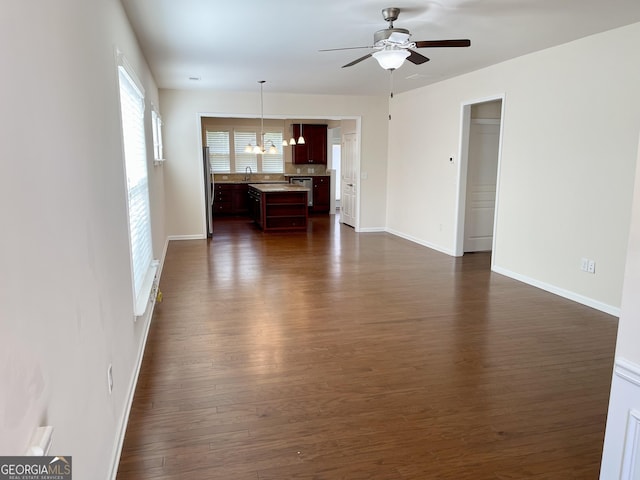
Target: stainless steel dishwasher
305	182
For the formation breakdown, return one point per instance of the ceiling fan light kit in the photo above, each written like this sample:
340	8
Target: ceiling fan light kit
391	58
393	45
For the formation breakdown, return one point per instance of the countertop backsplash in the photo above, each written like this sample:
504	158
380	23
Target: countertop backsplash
292	170
254	177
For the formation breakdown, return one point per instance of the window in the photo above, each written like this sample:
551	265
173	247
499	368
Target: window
244	160
219	156
135	158
227	155
156	126
273	163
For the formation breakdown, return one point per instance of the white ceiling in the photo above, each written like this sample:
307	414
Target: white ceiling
232	46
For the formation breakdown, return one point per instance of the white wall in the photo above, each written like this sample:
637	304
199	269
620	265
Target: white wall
181	110
66	308
572	116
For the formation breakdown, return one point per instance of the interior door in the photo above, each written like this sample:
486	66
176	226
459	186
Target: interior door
482	172
349	179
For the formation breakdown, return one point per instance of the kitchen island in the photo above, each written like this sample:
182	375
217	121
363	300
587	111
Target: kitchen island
277	206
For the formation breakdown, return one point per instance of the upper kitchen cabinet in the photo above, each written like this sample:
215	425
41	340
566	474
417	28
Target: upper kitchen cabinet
314	150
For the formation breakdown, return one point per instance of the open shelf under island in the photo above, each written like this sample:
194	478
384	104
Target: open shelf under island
276	206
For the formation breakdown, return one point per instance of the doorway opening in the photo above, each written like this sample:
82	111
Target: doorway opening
225	123
479	173
334	137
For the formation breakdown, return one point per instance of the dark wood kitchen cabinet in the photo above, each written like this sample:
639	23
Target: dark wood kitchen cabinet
231	199
314	150
255	206
321	194
278	207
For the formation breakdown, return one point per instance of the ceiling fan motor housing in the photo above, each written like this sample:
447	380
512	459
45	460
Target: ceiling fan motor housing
388	36
390	14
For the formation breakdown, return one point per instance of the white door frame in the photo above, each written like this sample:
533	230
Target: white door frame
358	131
463	164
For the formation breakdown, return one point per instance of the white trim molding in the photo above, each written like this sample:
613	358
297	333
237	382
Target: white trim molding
576	297
630	463
621	453
432	246
198	236
628	370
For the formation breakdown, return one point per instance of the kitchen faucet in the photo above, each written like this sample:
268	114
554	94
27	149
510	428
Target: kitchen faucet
248	176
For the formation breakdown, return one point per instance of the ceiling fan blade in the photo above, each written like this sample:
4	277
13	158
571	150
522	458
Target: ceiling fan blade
357	61
345	48
443	43
416	58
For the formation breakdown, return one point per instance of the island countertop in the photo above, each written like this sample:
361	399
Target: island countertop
278	187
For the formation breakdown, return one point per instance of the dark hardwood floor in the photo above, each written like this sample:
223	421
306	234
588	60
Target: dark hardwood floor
336	355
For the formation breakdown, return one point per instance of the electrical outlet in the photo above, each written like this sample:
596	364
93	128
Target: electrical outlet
584	264
591	268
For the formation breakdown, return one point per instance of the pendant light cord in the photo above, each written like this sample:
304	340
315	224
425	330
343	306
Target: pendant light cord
390	87
261	82
391	82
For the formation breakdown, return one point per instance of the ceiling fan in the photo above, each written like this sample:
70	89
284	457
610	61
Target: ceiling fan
393	45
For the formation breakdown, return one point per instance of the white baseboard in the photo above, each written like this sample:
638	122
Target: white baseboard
421	242
134	378
187	237
621	453
370	229
576	297
590	302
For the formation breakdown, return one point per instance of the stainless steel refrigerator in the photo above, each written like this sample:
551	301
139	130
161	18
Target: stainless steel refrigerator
208	190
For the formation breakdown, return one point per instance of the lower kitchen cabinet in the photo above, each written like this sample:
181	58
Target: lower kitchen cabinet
255	206
321	194
278	209
231	199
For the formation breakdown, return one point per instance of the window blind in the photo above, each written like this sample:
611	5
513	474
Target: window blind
227	155
243	160
273	163
135	157
219	154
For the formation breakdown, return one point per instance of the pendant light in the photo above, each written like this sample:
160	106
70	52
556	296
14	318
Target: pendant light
301	138
292	141
259	149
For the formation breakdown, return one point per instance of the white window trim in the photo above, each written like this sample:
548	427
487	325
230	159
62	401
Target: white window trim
144	295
